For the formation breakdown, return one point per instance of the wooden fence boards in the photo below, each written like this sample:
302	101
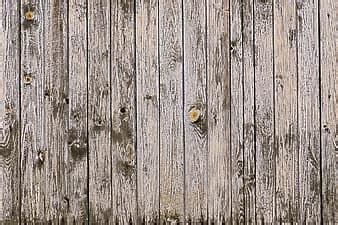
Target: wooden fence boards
9	113
147	111
171	111
286	117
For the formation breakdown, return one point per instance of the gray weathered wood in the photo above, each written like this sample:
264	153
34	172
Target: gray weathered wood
9	113
308	113
286	124
264	112
55	106
33	126
99	112
171	112
123	112
237	113
76	195
249	114
147	80
218	111
328	75
195	110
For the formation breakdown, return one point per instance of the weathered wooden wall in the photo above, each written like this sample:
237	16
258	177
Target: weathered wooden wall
149	111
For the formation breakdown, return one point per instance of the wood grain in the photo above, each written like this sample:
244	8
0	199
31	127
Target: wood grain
9	113
76	195
99	112
218	111
264	112
249	113
147	83
286	118
123	112
171	112
195	102
308	113
237	112
33	103
328	74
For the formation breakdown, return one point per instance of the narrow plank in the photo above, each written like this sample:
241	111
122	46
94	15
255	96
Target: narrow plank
123	112
76	196
328	108
195	110
9	113
147	80
55	87
264	112
99	112
33	128
171	112
249	112
237	113
286	124
309	113
218	111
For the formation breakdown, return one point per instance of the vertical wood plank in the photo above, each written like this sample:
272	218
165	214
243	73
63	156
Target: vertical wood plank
123	112
218	111
171	112
9	112
195	110
55	89
33	128
328	108
237	113
147	80
309	112
99	112
249	112
285	61
264	111
76	196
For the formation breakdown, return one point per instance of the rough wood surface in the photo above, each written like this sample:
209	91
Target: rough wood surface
76	195
237	112
309	113
147	81
286	117
264	112
218	111
249	112
328	76
99	112
123	112
171	112
9	113
195	110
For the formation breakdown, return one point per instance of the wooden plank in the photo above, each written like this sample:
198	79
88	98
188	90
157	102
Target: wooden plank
9	113
171	112
76	197
218	111
195	110
286	121
237	112
328	109
55	106
309	113
147	80
33	128
99	112
264	111
123	112
249	113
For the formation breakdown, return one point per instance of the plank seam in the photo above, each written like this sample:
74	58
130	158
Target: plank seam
87	108
20	114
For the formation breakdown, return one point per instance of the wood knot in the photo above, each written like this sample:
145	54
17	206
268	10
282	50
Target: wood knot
40	158
29	15
27	79
194	115
123	110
